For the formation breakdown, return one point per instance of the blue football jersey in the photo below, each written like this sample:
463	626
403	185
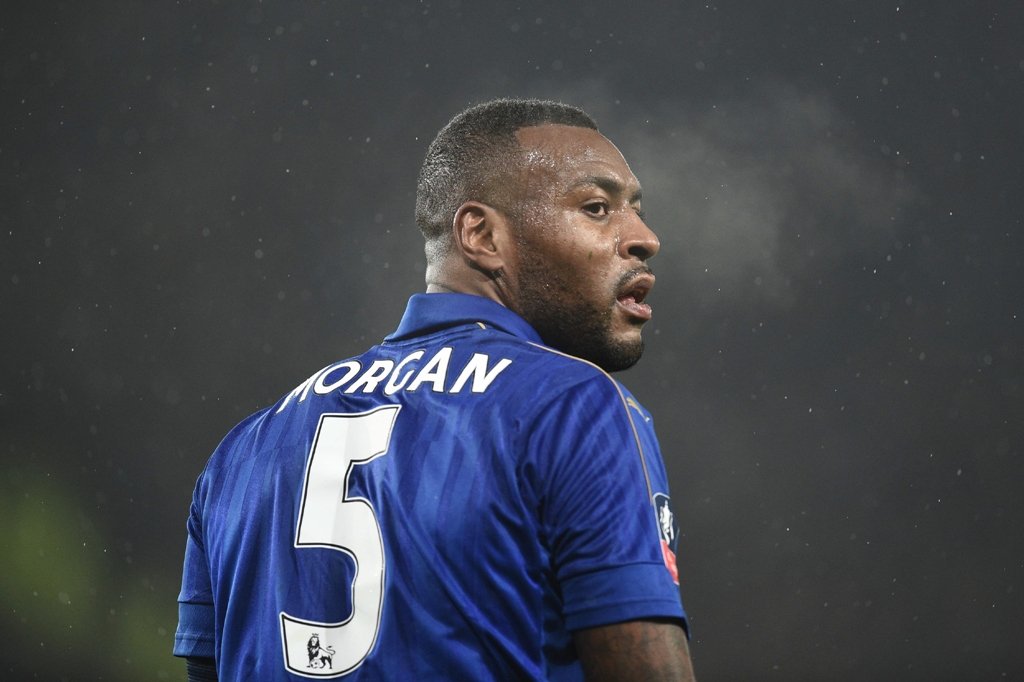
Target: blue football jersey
450	505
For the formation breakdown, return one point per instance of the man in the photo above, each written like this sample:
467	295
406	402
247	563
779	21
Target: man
474	498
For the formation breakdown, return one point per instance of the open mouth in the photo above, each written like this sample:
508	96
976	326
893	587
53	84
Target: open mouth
632	297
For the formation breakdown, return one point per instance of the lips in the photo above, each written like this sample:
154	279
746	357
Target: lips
633	293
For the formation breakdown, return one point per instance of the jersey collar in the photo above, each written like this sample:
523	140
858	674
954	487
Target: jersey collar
428	313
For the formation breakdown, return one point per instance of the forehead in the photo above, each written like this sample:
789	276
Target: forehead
570	153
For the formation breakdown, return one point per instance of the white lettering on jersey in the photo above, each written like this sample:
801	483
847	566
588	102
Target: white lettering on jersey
302	390
434	371
392	386
373	376
477	368
321	388
478	373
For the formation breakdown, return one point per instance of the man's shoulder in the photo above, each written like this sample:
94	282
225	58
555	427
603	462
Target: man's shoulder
240	435
548	366
525	356
544	376
473	366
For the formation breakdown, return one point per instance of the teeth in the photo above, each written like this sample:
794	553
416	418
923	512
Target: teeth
636	295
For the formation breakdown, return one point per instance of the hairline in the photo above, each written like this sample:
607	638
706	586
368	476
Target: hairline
492	128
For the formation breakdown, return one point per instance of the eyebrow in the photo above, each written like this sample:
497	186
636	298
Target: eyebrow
608	185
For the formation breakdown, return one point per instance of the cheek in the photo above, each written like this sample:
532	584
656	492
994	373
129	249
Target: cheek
592	254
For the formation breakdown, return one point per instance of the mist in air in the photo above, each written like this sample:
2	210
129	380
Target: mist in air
205	203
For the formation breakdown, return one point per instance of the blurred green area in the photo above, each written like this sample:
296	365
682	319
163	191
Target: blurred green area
75	608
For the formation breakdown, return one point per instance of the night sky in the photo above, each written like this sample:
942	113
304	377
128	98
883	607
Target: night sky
205	202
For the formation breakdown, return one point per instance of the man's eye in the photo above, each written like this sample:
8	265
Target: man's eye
596	208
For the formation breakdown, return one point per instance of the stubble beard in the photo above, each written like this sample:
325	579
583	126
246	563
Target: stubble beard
569	323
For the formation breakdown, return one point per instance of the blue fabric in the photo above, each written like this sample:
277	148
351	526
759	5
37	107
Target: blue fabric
516	502
195	635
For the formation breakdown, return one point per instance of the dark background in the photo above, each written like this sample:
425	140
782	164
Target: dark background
205	202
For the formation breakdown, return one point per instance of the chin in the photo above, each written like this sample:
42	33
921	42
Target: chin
618	355
595	334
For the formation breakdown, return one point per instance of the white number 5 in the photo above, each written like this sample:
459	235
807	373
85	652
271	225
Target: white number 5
330	519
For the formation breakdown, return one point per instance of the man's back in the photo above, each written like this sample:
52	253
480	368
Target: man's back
452	504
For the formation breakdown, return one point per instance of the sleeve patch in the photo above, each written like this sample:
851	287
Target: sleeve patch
668	531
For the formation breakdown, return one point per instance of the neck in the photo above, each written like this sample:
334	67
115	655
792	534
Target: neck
458	278
435	288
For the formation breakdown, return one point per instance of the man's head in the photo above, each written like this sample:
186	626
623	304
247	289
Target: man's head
543	216
471	157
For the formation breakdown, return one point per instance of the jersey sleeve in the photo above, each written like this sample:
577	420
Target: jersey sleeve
594	474
195	635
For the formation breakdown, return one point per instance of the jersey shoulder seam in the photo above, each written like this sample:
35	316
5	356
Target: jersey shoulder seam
624	400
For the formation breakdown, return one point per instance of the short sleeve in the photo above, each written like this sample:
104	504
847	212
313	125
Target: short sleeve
597	509
195	635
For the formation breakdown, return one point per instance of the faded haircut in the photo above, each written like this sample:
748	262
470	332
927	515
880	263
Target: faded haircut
472	156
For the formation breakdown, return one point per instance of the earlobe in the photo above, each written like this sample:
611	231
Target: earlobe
479	234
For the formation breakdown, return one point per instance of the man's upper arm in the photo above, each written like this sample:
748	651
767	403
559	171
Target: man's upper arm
598	475
195	635
653	650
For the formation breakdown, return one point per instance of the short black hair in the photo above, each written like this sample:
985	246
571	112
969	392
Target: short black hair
471	155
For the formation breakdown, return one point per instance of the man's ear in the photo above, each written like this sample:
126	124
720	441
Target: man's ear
481	235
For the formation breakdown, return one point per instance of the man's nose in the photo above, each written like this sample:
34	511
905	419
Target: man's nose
638	240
